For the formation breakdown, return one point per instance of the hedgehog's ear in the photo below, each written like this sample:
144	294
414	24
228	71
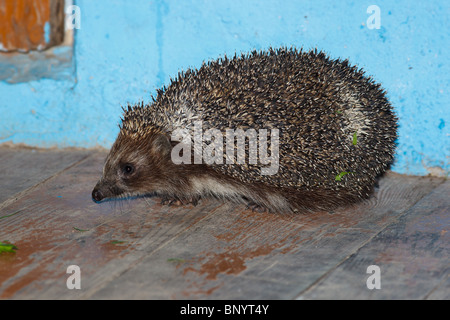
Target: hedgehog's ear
162	145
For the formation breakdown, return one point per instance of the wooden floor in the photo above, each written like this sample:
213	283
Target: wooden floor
139	249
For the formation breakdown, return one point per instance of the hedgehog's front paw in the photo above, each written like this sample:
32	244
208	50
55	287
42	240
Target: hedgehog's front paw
168	201
256	207
175	201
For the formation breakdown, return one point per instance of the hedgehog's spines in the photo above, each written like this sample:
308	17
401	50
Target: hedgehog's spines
317	103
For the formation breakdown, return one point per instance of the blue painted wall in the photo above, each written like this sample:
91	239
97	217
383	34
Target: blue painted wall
126	49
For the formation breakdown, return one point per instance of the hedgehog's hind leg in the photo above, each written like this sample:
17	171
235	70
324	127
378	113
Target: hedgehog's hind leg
261	198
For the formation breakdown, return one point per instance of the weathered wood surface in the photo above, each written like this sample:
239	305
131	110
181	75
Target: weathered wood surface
139	249
413	254
21	169
244	255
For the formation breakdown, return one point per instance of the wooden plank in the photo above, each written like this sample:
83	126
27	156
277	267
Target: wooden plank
412	254
23	168
441	291
236	254
140	249
118	234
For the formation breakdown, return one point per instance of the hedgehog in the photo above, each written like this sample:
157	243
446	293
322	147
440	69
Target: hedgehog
302	132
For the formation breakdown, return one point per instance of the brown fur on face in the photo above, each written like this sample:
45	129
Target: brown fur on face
136	165
141	165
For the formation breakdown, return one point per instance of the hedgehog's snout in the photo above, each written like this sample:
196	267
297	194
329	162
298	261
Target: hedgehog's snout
105	189
97	195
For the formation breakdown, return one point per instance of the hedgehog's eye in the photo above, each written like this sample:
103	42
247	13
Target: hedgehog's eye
128	169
